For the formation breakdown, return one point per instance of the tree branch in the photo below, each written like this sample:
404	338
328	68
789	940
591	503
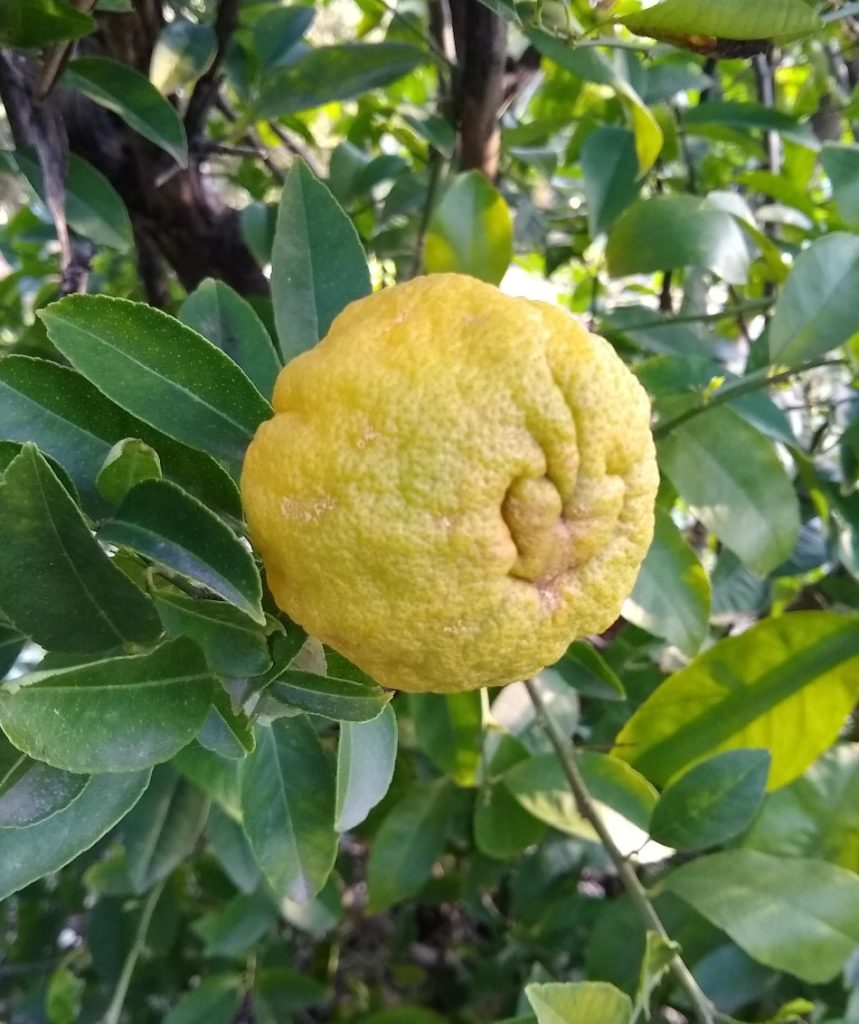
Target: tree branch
565	752
206	89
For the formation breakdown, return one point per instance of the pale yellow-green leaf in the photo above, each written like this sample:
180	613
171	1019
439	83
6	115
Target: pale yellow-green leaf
786	685
590	1002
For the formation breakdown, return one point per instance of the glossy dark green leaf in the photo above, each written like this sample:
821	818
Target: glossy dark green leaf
214	775
31	853
233	644
94	208
841	162
345	700
75	598
610	171
277	34
502	827
235	927
31	791
111	715
163	828
729	19
409	840
129	94
233	850
816	310
37	23
795	915
214	1001
229	321
162	522
588	671
308	288
449	729
579	1003
160	370
671	232
671	597
183	51
128	463
227	731
72	422
471	231
336	73
733	481
712	802
288	808
366	755
752	691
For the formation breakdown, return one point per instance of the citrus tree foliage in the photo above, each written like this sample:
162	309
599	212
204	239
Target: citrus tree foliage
207	816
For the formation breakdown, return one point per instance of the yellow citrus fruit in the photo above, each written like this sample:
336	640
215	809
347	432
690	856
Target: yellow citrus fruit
456	485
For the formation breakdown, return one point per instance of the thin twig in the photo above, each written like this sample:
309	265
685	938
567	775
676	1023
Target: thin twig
435	165
206	89
753	306
437	52
752	382
58	56
565	752
114	1011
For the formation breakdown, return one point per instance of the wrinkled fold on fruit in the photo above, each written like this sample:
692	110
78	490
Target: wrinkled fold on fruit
455	485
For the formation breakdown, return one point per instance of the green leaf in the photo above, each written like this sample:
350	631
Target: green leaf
214	775
659	954
403	1014
111	715
30	791
130	95
72	422
816	310
233	644
671	597
712	802
745	116
502	827
799	916
671	232
752	690
182	53
733	481
729	19
308	288
366	755
610	171
75	599
227	731
159	370
31	853
163	828
589	673
841	163
471	231
409	840
283	991
94	208
449	728
214	1001
64	996
277	34
232	929
288	808
335	73
583	1002
815	816
233	850
128	463
162	522
229	321
37	23
540	786
346	700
